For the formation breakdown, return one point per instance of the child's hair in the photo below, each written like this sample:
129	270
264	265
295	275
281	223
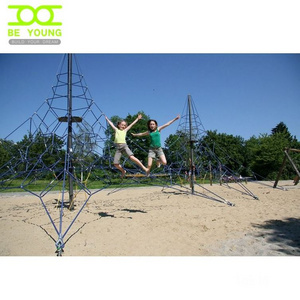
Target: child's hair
148	124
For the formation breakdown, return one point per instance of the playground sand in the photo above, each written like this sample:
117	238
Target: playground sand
149	221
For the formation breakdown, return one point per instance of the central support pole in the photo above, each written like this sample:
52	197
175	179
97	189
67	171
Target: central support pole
192	167
70	129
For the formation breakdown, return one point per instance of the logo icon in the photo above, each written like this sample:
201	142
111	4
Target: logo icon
35	12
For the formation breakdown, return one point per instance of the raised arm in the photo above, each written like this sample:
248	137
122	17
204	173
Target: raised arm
136	120
167	124
110	123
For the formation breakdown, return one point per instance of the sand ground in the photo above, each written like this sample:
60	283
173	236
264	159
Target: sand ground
151	221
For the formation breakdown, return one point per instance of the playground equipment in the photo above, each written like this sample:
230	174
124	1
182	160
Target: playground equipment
62	150
287	156
67	147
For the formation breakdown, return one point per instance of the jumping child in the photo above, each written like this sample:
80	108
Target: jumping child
120	143
155	149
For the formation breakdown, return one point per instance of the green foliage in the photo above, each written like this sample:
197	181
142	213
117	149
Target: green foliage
282	129
229	149
138	145
7	150
267	154
174	144
38	152
263	155
84	147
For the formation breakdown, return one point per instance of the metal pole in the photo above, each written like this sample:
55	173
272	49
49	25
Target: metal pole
191	145
210	174
280	171
286	152
291	161
69	143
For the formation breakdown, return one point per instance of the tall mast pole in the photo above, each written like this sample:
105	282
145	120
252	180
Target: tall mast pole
69	142
191	145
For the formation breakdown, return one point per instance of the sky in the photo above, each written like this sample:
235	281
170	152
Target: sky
240	94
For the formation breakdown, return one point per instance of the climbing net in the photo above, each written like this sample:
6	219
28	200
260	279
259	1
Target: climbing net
73	153
192	162
197	156
44	160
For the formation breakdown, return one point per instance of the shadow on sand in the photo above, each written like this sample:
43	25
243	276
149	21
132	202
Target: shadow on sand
284	233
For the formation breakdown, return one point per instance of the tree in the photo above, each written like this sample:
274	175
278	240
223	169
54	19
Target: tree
39	151
283	129
84	143
226	149
176	149
138	145
7	152
265	154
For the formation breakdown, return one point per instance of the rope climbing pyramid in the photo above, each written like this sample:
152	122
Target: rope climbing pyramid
64	148
195	160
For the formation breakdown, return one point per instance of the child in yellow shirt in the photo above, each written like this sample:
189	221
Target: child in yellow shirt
121	145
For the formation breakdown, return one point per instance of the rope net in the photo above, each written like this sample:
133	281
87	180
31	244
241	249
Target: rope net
45	161
42	152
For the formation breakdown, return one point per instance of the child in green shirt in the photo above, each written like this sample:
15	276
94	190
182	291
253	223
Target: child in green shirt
155	149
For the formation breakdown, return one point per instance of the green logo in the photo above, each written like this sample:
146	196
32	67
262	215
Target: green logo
35	12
